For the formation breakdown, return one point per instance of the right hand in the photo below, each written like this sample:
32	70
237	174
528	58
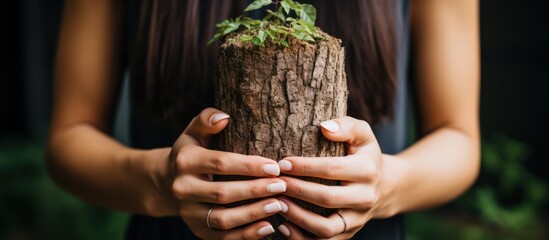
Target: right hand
188	167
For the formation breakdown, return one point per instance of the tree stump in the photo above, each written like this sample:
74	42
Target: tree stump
277	97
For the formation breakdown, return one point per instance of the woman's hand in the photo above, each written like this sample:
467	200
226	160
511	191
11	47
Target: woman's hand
186	175
365	191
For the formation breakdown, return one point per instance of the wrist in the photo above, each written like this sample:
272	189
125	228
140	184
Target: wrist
157	199
394	174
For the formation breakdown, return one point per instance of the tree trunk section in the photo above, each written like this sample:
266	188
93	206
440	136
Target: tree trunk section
277	97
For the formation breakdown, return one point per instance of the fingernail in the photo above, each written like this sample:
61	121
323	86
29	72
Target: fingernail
271	169
284	230
276	187
218	117
285	165
272	207
264	231
283	206
331	126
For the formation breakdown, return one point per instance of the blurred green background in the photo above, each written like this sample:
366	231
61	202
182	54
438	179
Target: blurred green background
509	201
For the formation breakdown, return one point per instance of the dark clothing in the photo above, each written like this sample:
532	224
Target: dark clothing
391	136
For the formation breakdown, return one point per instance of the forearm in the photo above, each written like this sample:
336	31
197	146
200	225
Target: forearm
435	170
100	170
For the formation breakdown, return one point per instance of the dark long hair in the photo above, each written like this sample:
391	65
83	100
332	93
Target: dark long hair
173	69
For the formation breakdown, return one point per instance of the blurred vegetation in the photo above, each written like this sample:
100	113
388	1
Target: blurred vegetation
507	201
33	207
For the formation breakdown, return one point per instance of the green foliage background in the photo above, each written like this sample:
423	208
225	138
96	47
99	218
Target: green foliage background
33	207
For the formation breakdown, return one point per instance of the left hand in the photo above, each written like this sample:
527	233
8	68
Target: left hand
360	196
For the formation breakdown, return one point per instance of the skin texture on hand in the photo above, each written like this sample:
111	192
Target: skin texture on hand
186	173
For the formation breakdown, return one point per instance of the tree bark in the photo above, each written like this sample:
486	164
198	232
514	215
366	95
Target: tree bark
277	97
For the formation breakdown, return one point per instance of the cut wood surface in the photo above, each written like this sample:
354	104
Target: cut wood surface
277	97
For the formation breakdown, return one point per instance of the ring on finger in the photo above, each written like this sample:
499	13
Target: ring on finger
209	214
344	223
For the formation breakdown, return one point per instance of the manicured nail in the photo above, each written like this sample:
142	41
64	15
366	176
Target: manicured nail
272	207
284	230
331	126
271	169
218	117
276	187
285	165
283	206
264	231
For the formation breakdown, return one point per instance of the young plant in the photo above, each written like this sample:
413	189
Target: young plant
288	19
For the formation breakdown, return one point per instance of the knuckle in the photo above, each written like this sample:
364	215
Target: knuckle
328	198
295	188
369	199
332	169
184	213
249	168
220	195
180	161
219	163
254	214
182	158
257	190
179	190
370	170
222	222
299	220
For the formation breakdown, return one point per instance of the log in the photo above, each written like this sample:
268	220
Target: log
277	97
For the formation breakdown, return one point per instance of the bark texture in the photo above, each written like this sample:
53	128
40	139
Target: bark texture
277	97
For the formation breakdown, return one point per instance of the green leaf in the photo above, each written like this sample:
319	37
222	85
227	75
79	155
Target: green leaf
308	13
223	24
284	42
271	34
279	29
278	15
262	36
286	6
301	28
258	42
303	36
249	23
309	28
257	4
231	27
246	38
215	38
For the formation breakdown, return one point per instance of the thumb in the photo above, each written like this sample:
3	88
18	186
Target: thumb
210	121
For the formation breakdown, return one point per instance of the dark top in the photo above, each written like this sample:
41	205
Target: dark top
392	138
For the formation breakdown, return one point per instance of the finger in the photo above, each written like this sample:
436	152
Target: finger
209	121
291	232
195	214
356	196
228	218
254	231
191	188
347	129
356	168
199	160
320	226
